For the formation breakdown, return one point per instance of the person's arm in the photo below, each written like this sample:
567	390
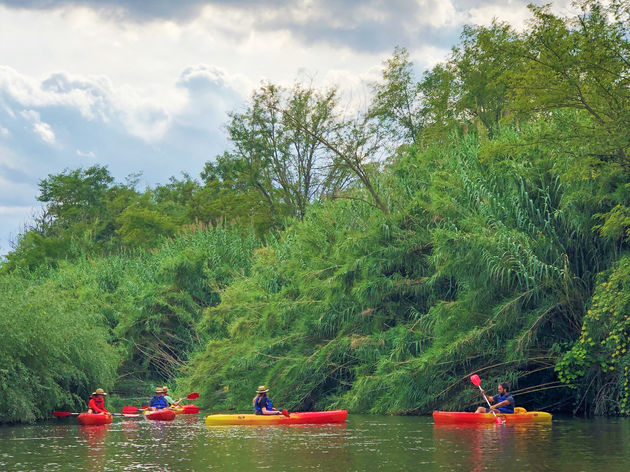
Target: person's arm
500	404
268	409
270	412
483	392
509	400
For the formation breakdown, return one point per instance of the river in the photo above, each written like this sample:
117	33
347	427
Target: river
364	443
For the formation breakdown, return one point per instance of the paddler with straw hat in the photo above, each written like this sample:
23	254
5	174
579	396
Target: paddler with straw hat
96	404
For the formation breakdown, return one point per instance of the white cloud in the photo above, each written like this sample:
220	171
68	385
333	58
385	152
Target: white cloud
40	128
89	154
439	13
4	133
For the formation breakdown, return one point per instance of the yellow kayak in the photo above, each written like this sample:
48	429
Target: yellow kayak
308	417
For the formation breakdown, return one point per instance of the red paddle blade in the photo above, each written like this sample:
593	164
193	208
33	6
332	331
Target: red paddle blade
475	380
499	420
285	413
129	409
192	396
61	414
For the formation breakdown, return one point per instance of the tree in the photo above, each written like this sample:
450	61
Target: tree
582	65
397	99
74	197
438	88
577	82
480	65
142	224
273	154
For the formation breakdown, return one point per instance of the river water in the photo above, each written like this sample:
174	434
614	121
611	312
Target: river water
364	443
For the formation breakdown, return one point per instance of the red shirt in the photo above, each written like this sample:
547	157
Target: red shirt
97	405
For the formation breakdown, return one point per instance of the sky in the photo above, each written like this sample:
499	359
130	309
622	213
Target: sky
145	86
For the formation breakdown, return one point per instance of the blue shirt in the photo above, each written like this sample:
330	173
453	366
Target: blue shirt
509	408
158	402
261	403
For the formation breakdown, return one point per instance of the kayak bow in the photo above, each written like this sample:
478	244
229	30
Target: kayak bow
164	414
94	419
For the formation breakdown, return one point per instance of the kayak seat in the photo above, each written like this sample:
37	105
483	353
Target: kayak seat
519	409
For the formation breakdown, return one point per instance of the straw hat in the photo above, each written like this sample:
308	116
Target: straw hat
164	388
99	391
159	390
262	389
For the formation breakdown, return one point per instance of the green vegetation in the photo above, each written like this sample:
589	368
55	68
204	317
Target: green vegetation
473	220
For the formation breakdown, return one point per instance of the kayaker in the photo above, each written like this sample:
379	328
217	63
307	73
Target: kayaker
96	404
158	402
262	403
168	399
503	402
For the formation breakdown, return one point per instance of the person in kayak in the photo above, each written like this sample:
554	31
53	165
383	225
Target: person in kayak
168	399
96	404
158	402
503	402
262	403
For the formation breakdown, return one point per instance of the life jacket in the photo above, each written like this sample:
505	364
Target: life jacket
97	405
261	402
158	402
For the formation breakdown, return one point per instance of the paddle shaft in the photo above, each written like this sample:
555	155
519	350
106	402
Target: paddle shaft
62	414
488	402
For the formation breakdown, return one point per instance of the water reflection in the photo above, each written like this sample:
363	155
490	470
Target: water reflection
482	447
365	443
284	446
94	437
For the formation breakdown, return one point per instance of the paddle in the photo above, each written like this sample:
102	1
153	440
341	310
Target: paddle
286	413
477	382
63	414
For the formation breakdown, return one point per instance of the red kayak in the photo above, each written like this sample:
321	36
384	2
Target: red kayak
164	414
308	417
94	419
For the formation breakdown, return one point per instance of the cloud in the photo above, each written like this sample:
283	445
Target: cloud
212	92
94	97
140	11
88	154
4	133
367	26
41	129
